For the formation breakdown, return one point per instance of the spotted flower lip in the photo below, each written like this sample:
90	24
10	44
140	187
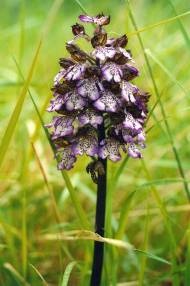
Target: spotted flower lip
67	159
56	104
94	91
73	101
112	71
90	116
87	144
134	152
75	72
62	126
110	149
131	123
107	102
89	88
103	53
128	91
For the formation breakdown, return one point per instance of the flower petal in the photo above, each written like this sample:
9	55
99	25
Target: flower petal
134	152
103	53
112	71
73	101
89	88
91	117
110	148
127	91
107	102
67	159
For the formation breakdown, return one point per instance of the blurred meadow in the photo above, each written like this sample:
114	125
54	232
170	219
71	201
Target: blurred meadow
47	217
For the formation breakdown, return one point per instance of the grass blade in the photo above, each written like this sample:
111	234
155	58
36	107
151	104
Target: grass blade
39	274
181	26
67	273
155	25
18	108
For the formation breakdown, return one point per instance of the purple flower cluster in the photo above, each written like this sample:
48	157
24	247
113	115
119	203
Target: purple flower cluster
93	89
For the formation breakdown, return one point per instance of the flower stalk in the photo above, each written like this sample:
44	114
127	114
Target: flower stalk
97	264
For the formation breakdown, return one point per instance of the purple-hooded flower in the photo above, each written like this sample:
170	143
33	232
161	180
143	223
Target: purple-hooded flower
90	116
89	88
100	111
59	77
112	71
86	144
56	103
131	123
62	126
103	53
134	152
110	149
128	90
75	72
67	159
73	101
107	102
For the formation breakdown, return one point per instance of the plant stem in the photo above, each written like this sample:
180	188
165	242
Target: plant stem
100	218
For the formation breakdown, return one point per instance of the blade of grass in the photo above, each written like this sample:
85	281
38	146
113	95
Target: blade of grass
18	108
168	225
16	274
162	66
73	194
67	273
123	219
50	191
187	272
89	235
39	274
155	25
181	26
145	246
169	132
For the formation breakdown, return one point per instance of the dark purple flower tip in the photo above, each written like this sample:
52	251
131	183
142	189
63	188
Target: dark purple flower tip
67	159
131	123
56	104
128	90
102	53
89	88
75	72
91	117
107	102
78	30
112	71
134	152
87	144
130	72
73	101
62	126
121	41
110	149
66	63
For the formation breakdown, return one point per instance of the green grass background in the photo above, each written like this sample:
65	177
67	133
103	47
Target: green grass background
148	209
